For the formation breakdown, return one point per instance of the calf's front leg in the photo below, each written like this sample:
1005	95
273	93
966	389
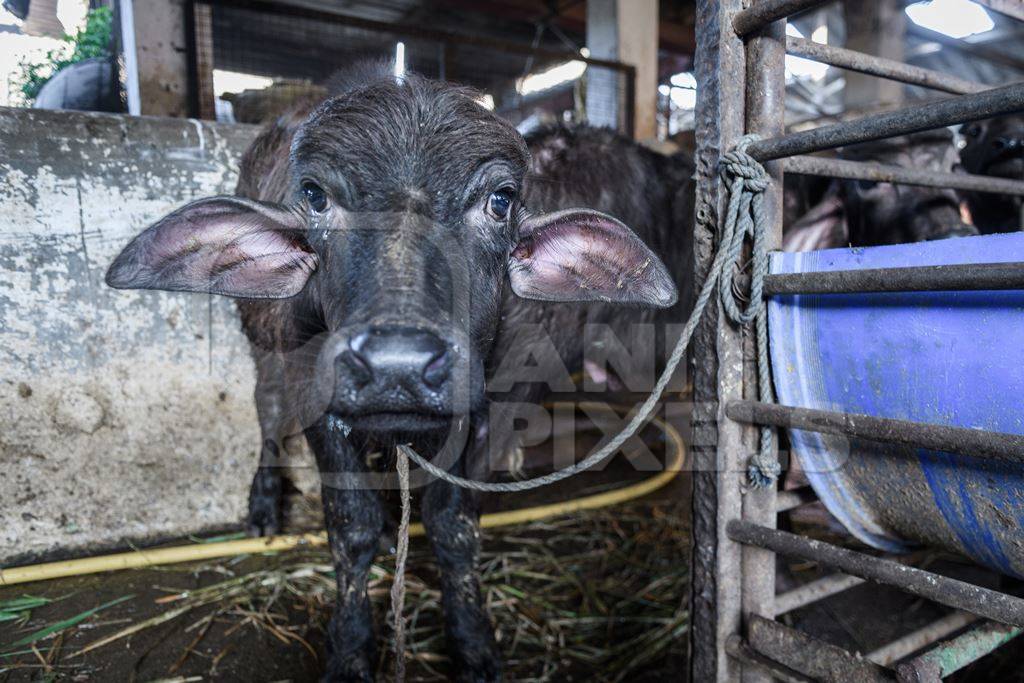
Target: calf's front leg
451	516
266	493
355	521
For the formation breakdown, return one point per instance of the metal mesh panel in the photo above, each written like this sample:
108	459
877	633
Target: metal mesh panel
282	52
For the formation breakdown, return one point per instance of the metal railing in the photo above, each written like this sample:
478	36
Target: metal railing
741	51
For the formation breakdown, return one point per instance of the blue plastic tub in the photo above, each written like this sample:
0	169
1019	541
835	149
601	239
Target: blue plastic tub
952	358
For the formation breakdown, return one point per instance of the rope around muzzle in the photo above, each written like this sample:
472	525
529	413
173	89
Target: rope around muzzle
745	216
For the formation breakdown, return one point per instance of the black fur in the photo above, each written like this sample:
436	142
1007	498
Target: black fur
571	166
995	148
863	213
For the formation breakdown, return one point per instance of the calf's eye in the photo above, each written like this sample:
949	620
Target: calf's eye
499	203
316	196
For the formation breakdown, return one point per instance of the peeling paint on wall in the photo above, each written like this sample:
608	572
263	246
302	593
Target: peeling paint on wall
123	415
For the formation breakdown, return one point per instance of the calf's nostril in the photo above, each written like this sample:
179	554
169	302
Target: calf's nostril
1006	143
436	371
358	369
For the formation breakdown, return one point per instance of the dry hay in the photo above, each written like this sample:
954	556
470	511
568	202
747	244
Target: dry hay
600	594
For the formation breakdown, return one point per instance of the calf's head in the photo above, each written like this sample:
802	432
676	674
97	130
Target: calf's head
995	148
400	229
887	213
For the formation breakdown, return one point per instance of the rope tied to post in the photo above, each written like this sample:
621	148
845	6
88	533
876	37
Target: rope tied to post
747	180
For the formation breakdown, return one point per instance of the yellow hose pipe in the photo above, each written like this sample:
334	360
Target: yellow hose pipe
194	552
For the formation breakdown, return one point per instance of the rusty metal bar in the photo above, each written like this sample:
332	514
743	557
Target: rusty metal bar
941	589
809	656
812	592
893	652
765	114
883	173
953	655
954	278
996	102
718	465
789	500
880	66
764	12
737	649
977	443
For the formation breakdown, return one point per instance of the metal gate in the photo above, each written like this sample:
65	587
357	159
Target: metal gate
741	47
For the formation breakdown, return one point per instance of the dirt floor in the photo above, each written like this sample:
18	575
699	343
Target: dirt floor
601	592
598	595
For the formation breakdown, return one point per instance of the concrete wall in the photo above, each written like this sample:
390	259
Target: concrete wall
124	416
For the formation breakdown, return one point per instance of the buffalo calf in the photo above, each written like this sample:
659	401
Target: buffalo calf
382	253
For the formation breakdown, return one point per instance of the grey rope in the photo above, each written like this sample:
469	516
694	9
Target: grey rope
747	180
401	555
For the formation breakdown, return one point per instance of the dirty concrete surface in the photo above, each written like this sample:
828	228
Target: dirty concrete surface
125	416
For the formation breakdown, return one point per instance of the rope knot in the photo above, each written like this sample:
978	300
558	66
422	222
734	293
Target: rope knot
745	216
737	163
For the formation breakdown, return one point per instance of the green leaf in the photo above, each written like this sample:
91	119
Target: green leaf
66	623
24	602
91	41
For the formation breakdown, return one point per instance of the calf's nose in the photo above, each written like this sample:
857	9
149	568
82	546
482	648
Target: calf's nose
398	357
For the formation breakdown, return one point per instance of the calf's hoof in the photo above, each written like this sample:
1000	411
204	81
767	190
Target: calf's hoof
481	672
264	518
348	670
262	522
479	662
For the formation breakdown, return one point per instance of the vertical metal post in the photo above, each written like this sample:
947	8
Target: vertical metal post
718	378
765	115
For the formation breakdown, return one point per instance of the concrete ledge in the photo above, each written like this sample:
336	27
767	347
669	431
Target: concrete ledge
125	415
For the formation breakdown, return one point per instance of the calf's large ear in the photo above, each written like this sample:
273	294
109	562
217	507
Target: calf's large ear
222	245
583	255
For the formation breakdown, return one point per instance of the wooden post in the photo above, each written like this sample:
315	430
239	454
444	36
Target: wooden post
161	57
202	40
625	31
